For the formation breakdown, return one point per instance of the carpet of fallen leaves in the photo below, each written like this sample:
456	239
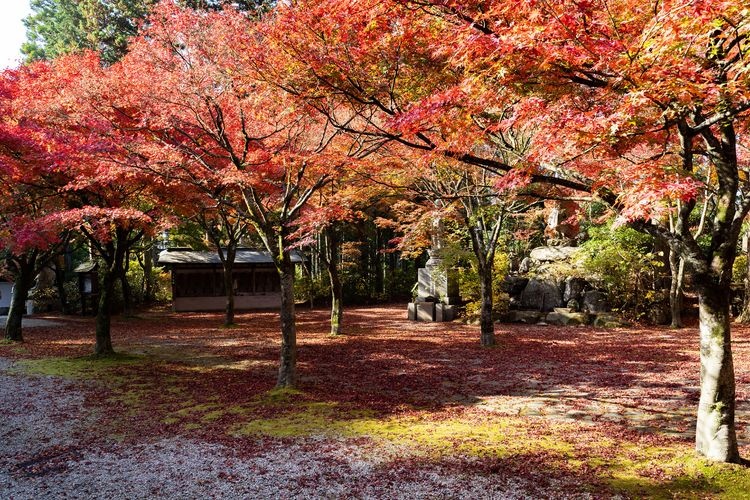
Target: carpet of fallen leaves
596	411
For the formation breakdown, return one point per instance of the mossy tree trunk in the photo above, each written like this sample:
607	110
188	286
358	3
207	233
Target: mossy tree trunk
486	321
333	248
103	346
227	262
225	232
149	295
127	292
60	284
288	356
484	237
676	295
24	268
715	435
24	279
112	255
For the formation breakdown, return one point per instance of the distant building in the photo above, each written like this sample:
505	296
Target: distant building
6	289
6	293
198	280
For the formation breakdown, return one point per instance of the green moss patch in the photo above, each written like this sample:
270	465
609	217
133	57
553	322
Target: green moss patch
631	468
81	367
678	473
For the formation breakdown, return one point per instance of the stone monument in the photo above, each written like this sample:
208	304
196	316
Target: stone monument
437	287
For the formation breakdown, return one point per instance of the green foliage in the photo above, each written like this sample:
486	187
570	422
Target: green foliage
72	293
160	280
458	256
739	269
57	27
398	282
307	286
622	261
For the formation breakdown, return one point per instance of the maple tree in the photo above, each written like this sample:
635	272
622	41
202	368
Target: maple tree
104	193
194	79
630	101
31	233
213	209
635	101
378	72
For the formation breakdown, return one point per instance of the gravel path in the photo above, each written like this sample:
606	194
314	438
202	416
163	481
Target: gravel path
44	455
31	322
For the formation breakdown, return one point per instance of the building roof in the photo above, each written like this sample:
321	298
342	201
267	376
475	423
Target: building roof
86	267
181	256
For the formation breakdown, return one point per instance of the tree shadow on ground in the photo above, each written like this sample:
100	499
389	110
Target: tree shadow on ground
642	378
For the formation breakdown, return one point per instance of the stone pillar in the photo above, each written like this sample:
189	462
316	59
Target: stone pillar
437	288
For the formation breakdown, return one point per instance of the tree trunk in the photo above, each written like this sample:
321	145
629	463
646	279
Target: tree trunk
229	290
337	292
487	325
715	436
148	273
60	284
288	362
677	273
127	295
13	324
337	312
103	345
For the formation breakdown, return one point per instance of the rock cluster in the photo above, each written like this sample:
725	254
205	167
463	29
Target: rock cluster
544	297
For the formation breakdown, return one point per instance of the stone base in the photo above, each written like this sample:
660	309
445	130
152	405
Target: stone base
425	311
430	311
445	312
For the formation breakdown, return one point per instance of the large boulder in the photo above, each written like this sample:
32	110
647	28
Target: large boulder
595	302
607	320
527	317
541	295
564	317
552	254
574	288
514	285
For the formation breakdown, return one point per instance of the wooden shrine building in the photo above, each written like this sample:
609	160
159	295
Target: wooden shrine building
198	280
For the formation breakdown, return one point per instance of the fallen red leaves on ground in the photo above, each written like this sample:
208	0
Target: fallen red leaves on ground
638	384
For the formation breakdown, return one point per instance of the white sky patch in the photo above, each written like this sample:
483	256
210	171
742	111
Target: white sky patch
12	31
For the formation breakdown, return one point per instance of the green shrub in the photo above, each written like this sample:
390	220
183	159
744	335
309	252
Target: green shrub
739	269
470	285
622	261
306	286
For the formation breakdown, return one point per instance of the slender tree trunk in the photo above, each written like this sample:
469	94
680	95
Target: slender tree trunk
332	263
337	312
229	290
148	273
288	362
715	435
486	322
60	284
13	324
127	295
677	272
103	345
